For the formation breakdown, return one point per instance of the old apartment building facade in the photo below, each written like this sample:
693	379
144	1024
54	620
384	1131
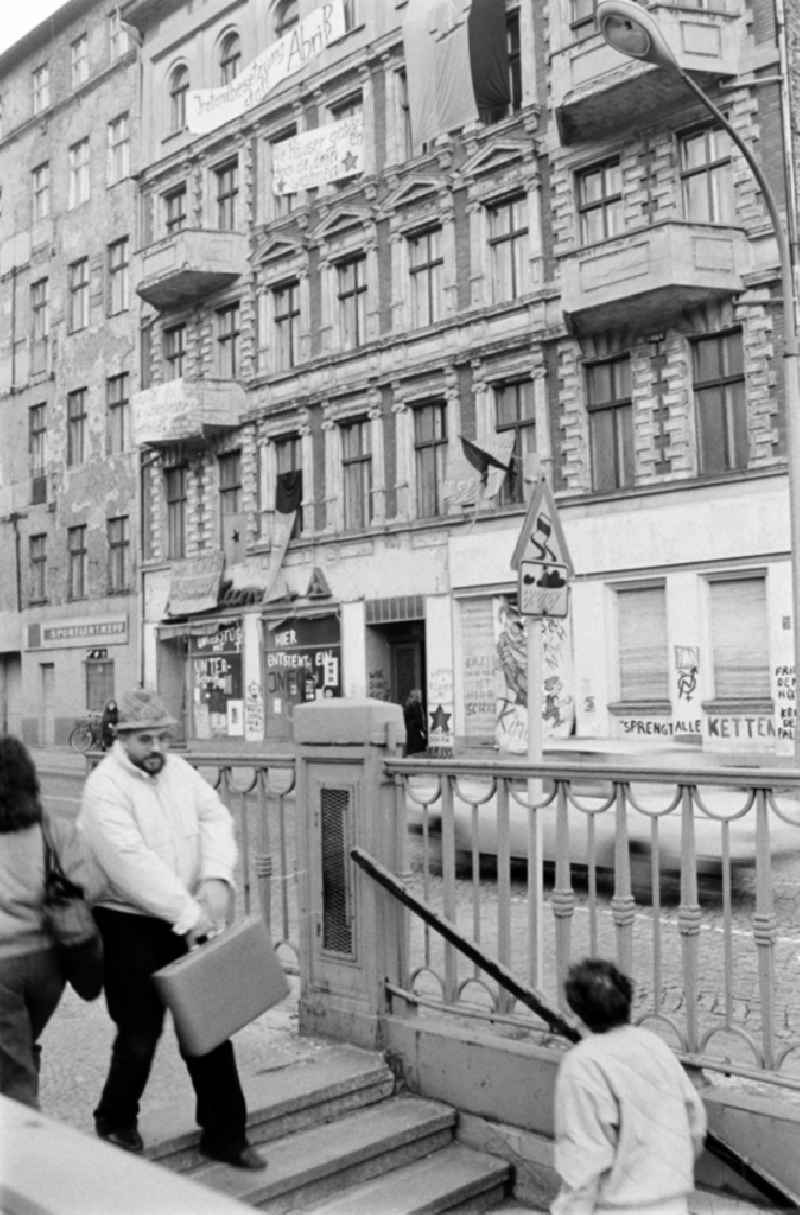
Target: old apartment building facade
68	619
589	273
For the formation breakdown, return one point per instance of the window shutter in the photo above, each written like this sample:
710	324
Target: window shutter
643	652
739	639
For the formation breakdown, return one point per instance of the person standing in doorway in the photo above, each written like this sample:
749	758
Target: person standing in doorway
414	717
164	844
629	1122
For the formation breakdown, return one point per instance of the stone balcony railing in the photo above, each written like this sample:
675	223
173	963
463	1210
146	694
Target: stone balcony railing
189	265
183	410
645	276
596	91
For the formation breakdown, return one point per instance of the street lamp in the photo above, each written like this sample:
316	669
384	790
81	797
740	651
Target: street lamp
630	29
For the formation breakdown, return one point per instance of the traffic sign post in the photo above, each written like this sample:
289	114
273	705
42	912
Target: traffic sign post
541	559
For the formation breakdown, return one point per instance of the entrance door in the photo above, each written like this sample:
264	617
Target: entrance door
407	669
47	722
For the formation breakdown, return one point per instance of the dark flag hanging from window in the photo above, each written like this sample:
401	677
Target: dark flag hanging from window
457	64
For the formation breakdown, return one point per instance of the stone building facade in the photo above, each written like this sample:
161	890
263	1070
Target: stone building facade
68	337
591	276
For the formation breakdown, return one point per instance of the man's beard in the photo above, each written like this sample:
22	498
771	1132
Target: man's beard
151	764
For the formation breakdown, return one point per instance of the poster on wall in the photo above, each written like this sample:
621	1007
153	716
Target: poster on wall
217	691
511	682
302	663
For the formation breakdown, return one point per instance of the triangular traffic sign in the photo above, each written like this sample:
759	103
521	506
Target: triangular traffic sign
542	537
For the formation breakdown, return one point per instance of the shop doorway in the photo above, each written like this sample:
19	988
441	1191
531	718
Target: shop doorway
395	660
47	719
408	667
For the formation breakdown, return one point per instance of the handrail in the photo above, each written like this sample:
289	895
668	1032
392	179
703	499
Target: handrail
755	1176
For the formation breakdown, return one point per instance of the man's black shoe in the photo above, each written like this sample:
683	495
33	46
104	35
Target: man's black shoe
125	1137
238	1158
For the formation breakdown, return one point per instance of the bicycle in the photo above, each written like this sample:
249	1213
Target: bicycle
87	733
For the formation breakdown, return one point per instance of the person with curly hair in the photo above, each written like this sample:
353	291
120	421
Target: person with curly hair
31	981
628	1120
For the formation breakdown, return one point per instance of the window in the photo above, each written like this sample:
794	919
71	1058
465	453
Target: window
37	449
228	341
79	60
425	269
514	61
118	423
76	427
119	149
357	474
175	351
76	562
178	88
227	194
286	312
608	400
175	210
352	297
514	411
118	40
642	644
119	555
707	176
286	15
719	399
78	304
508	237
282	204
79	173
430	450
289	477
600	202
230	483
99	683
176	511
740	639
230	55
41	191
41	88
118	276
350	14
582	14
406	141
40	325
37	552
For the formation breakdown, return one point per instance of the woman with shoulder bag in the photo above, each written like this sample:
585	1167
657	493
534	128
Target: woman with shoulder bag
31	975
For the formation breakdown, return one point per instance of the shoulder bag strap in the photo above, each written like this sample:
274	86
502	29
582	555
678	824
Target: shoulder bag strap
52	864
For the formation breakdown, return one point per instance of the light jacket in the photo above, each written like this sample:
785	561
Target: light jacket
153	839
22	885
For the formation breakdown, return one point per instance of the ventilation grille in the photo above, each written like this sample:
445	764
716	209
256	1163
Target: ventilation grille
337	932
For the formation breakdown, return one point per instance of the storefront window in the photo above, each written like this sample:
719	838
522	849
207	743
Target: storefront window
217	696
303	662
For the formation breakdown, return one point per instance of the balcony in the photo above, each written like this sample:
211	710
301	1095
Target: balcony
186	411
190	265
597	92
643	278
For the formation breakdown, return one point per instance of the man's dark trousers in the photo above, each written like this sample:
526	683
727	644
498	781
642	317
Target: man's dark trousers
135	946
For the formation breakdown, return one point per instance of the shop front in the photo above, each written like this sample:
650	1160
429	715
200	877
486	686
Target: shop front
302	662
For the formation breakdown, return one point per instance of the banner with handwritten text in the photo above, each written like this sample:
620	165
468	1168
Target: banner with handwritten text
315	158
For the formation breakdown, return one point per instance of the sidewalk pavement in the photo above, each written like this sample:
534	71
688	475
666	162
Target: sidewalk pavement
76	1048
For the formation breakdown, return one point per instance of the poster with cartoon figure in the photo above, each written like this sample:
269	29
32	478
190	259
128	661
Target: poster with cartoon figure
558	705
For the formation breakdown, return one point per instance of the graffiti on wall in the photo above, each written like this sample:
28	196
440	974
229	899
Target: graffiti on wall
558	707
687	664
786	694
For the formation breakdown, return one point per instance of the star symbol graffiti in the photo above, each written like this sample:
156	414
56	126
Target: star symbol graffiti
440	720
350	162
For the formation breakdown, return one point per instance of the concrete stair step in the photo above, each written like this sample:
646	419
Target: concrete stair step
452	1179
710	1202
308	1166
335	1081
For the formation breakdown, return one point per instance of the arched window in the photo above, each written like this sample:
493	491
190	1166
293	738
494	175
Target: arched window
230	54
178	88
286	13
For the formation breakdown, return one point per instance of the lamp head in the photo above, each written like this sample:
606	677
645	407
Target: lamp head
629	28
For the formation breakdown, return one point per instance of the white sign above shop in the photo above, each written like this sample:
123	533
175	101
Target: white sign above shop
207	109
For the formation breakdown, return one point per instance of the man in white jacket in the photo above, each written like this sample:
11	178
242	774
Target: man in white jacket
163	844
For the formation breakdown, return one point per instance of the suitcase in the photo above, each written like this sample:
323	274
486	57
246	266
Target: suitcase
222	985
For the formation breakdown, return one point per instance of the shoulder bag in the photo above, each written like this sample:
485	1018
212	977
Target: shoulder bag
70	922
